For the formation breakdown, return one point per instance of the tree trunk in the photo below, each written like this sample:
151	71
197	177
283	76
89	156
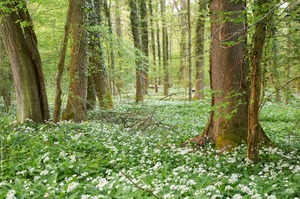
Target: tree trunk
90	96
134	18
76	105
254	129
152	33
228	122
183	42
189	49
165	49
199	49
145	44
61	66
21	46
111	49
97	59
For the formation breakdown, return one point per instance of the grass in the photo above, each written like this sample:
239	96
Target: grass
133	151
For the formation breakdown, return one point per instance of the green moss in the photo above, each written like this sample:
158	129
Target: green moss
231	138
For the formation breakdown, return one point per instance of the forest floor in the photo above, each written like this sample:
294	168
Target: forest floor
134	151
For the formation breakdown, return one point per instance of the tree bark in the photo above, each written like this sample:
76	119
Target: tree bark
61	66
145	44
134	18
152	33
76	105
20	43
165	49
189	49
254	129
199	50
97	59
228	122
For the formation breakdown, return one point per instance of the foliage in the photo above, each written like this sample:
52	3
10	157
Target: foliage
106	159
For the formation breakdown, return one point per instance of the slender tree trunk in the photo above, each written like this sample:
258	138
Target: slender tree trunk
199	49
254	128
97	58
189	49
91	96
61	66
111	49
76	105
134	18
21	46
159	54
116	78
183	42
165	49
152	33
145	44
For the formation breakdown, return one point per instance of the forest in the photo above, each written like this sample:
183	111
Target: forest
179	99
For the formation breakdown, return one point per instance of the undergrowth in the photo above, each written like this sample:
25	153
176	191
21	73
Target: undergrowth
134	151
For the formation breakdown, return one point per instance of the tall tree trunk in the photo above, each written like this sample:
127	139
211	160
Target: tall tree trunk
183	42
228	121
152	33
254	128
189	49
165	49
199	49
145	44
76	105
159	54
134	18
97	59
111	48
61	66
21	46
117	82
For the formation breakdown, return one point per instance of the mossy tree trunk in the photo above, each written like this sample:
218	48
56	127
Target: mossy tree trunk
97	65
199	50
135	22
145	44
20	42
61	66
152	44
76	105
256	52
228	121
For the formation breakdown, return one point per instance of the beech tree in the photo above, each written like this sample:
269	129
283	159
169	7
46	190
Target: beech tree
199	50
97	65
76	105
228	122
20	42
135	21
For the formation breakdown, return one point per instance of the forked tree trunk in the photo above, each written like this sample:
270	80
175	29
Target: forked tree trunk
254	128
61	66
76	105
97	59
134	18
199	49
21	46
228	122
